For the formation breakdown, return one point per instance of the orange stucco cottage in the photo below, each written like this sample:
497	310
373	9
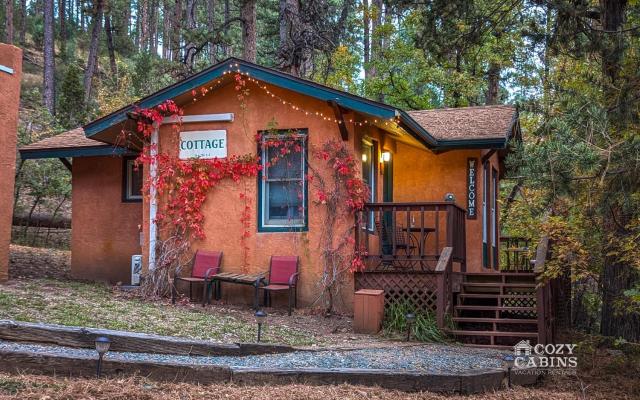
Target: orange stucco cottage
433	174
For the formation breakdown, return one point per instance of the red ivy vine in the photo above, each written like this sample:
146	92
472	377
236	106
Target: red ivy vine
183	185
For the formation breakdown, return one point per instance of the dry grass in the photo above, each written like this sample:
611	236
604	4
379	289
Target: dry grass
37	387
100	306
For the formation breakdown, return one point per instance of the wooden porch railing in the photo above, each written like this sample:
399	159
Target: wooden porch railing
515	254
445	289
544	296
410	236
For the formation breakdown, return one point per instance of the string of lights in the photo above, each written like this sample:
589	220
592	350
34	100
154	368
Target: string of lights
370	122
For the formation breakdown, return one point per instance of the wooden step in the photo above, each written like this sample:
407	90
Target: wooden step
496	320
493	333
495	308
499	284
498	274
496	296
489	346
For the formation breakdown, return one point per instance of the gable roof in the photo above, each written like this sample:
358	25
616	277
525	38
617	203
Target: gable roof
72	143
493	123
439	129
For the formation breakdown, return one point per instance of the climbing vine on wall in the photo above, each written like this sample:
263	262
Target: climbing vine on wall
183	187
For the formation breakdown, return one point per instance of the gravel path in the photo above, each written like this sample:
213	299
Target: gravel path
435	359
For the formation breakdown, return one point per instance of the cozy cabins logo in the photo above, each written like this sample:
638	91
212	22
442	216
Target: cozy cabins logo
545	358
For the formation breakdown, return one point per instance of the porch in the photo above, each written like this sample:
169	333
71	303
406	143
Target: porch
417	254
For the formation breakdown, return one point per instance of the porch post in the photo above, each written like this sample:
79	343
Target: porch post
153	202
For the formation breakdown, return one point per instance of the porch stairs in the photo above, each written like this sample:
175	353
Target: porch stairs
496	309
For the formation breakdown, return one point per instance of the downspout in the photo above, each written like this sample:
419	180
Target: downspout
153	202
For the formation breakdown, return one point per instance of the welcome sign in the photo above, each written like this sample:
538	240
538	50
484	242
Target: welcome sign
203	144
471	188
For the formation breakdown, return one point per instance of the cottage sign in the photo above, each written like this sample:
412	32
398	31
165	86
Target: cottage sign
203	144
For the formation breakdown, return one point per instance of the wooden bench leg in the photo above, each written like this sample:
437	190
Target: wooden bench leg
174	291
256	295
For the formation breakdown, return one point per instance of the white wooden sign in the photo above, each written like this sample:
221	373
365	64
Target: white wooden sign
203	144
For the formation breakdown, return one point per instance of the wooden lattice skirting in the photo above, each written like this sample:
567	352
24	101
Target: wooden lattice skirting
419	288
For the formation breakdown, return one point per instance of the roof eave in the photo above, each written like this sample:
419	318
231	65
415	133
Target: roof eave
476	143
93	151
270	76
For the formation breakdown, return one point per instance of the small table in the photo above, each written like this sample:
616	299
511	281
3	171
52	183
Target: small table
254	280
416	229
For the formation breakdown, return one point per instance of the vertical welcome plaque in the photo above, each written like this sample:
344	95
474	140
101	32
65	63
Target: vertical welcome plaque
472	207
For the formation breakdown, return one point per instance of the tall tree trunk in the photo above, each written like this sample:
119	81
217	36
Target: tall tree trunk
63	27
190	47
23	21
125	25
166	30
112	51
92	59
8	23
493	83
367	38
289	53
144	25
617	276
248	15
176	25
211	21
48	93
227	16
376	39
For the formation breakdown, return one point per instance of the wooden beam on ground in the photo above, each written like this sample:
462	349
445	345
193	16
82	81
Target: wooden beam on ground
129	341
66	163
337	110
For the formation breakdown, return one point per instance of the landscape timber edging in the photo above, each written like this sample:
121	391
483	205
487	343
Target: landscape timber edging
123	341
409	381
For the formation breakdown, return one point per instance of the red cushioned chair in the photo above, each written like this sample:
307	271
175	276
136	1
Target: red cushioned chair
283	275
205	265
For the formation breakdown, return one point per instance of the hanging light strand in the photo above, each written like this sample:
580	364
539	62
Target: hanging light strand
235	68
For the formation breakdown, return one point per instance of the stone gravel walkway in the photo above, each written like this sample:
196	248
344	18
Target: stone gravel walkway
434	359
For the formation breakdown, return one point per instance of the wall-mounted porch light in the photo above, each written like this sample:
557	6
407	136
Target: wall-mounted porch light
364	158
385	156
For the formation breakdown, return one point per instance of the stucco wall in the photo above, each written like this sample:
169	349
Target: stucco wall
11	57
419	175
224	205
426	176
104	229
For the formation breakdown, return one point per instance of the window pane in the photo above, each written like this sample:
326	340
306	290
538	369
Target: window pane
136	181
284	166
284	201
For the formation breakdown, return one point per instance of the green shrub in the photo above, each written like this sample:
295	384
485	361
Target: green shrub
425	327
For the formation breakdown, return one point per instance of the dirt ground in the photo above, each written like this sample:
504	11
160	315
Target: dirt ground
40	278
600	387
34	262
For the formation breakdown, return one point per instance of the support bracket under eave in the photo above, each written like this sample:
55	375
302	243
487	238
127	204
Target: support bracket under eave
337	110
66	163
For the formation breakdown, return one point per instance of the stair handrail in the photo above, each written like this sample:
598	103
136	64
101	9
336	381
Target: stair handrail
543	294
445	294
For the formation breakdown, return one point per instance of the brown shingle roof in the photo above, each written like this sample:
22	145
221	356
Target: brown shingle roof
71	139
482	122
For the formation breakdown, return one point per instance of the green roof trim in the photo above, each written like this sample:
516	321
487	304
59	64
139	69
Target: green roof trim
298	85
268	75
74	152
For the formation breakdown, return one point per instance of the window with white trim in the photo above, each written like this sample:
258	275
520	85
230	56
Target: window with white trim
283	187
